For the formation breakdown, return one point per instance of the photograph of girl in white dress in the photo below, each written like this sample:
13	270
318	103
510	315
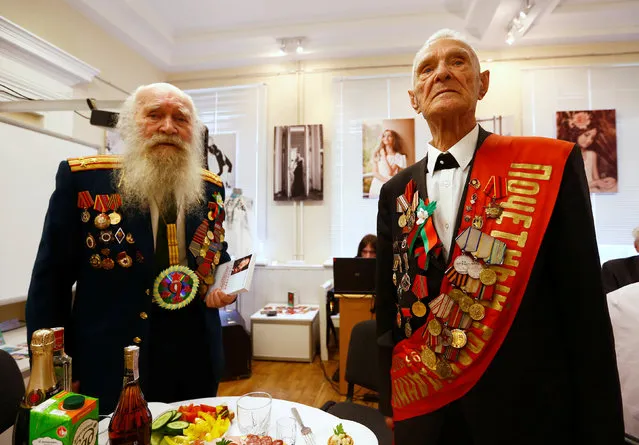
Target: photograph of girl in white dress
594	131
388	147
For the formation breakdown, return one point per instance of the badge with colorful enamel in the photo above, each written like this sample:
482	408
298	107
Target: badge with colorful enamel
175	287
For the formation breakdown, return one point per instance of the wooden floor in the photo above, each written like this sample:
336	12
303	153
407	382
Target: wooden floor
297	382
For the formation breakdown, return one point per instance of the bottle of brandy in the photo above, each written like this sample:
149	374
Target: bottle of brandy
42	384
61	361
131	420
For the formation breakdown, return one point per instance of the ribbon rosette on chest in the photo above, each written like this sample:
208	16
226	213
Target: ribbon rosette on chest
424	230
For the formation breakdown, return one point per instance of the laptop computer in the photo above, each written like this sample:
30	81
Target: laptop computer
354	275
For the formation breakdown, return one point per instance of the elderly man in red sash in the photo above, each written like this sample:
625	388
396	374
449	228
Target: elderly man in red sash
492	322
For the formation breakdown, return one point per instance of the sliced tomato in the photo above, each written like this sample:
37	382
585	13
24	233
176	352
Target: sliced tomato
208	409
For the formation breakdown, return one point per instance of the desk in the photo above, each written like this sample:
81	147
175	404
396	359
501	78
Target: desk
286	337
353	308
16	337
321	422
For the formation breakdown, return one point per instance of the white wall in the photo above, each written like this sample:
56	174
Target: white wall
305	93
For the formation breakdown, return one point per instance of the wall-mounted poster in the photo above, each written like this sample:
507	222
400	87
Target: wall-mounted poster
388	146
596	134
222	149
299	159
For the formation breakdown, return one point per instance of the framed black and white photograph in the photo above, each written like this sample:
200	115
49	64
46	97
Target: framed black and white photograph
299	163
221	154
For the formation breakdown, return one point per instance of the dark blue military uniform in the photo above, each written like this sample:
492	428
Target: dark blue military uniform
113	305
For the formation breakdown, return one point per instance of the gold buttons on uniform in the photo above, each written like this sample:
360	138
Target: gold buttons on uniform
143	315
147	291
137	340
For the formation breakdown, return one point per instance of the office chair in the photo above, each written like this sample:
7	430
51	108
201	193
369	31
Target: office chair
361	370
11	390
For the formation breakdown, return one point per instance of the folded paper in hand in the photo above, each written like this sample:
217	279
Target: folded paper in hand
234	277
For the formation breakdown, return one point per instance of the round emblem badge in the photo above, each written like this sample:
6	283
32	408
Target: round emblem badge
175	287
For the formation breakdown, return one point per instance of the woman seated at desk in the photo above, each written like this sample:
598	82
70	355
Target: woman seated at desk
367	249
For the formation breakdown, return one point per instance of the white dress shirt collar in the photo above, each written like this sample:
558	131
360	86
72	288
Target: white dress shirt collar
462	151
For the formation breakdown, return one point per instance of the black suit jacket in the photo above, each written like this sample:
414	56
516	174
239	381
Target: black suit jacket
619	273
111	307
554	379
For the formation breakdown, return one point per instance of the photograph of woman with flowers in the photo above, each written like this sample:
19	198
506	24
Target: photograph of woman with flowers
596	134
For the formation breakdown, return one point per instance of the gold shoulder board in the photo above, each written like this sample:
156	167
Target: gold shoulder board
212	178
100	162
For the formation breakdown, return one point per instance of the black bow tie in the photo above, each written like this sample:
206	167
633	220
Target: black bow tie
444	161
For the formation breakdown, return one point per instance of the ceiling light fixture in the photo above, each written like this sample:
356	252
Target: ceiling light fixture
517	25
288	43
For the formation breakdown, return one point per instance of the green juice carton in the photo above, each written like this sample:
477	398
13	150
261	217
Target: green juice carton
65	419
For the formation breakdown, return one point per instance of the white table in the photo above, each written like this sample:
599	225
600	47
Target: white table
287	337
321	422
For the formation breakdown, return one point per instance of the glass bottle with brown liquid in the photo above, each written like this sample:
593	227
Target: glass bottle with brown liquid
42	383
131	420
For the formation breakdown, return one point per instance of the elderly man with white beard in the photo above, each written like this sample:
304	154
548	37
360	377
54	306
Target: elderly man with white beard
140	237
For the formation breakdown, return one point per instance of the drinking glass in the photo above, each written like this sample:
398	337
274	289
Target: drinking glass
254	413
286	430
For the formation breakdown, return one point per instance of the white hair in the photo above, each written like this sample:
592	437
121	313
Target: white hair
442	34
147	176
635	234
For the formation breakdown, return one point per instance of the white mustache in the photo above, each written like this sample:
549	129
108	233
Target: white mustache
160	139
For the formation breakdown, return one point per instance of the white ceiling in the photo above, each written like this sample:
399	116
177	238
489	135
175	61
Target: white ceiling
187	35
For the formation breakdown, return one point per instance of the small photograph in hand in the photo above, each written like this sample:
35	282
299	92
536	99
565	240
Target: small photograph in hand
235	277
241	265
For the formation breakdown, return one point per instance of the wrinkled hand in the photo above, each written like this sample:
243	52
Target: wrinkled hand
218	299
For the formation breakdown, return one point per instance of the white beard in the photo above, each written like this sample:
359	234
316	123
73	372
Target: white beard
150	173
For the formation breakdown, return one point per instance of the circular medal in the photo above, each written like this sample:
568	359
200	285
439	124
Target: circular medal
108	264
443	369
124	260
175	287
419	309
86	216
456	295
447	336
209	279
402	221
475	183
411	221
475	269
394	278
478	222
488	277
434	327
459	339
90	241
462	263
209	234
429	358
494	210
399	319
216	258
95	261
102	221
408	330
477	312
106	237
467	218
404	244
129	238
210	215
115	218
465	303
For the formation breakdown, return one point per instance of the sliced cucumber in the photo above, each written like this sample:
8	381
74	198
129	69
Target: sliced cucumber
156	438
176	416
162	420
177	427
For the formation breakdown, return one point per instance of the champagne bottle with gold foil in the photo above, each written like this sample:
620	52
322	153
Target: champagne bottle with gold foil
42	383
61	361
131	420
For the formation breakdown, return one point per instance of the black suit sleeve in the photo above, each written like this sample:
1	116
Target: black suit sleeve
385	308
608	278
589	340
56	266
